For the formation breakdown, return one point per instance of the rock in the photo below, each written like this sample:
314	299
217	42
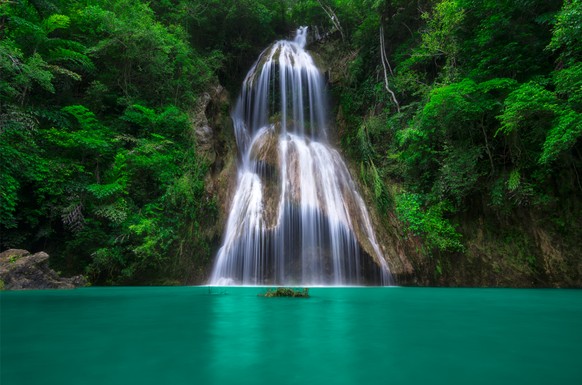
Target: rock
19	269
265	148
215	145
210	119
205	142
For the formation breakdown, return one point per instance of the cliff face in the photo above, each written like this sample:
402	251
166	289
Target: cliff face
216	145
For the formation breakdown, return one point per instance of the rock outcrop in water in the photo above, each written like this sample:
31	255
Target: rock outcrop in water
19	269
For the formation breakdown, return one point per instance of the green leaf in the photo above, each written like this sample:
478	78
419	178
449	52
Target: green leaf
514	180
56	21
528	104
562	136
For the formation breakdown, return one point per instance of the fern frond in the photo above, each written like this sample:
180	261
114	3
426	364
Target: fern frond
139	115
36	69
73	218
514	180
84	116
26	26
56	117
67	55
116	212
101	191
63	71
56	21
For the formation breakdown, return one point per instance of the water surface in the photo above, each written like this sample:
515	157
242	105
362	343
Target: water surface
188	335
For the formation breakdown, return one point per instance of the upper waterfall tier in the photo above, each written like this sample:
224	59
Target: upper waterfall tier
284	85
296	217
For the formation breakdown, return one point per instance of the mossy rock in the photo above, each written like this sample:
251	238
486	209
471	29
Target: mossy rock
287	292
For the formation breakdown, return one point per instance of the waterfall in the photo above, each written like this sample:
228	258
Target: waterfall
296	217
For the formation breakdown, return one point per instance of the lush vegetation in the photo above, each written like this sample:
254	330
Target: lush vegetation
464	112
457	111
98	157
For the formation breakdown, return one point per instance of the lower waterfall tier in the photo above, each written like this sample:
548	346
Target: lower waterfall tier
297	219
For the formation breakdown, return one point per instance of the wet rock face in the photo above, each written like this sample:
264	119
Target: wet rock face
265	149
210	122
19	269
215	144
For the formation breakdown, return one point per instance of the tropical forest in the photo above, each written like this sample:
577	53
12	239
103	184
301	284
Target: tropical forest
459	122
290	192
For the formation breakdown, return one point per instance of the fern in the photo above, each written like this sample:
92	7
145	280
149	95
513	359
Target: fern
63	71
67	55
562	137
84	116
141	116
73	218
116	212
378	184
56	117
102	191
35	69
54	22
57	42
514	180
25	26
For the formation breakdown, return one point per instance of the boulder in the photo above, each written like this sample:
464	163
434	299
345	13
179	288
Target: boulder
19	270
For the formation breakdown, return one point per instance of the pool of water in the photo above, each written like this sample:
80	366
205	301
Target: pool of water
197	335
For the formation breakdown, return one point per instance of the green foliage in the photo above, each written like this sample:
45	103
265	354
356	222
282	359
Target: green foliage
428	223
490	96
230	33
98	160
507	39
54	22
567	31
514	180
439	41
533	108
568	83
562	136
529	105
97	157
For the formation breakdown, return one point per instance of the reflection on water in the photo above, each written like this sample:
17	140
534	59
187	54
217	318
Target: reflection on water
197	335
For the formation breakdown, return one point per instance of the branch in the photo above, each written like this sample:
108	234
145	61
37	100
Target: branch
331	14
487	146
383	49
386	66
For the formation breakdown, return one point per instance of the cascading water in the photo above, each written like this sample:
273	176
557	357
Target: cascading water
296	217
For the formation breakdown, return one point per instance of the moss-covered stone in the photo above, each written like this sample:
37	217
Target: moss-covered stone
287	292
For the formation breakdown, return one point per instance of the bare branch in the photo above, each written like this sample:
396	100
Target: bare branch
386	66
334	19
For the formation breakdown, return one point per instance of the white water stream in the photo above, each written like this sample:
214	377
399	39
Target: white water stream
296	217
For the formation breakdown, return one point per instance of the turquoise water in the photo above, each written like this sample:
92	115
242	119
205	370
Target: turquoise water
338	336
